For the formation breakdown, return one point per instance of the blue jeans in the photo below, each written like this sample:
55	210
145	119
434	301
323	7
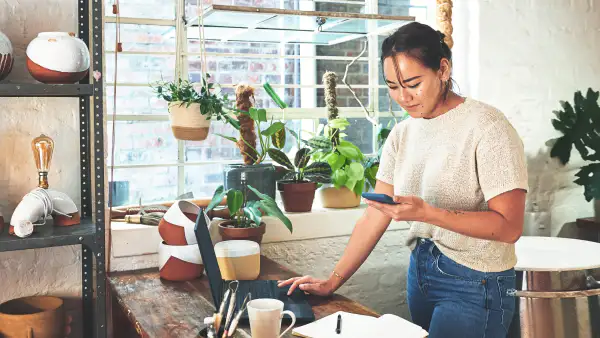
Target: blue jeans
451	300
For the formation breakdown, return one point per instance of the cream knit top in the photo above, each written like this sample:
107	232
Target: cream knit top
457	161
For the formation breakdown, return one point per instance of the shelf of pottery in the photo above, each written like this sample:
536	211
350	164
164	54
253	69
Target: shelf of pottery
61	64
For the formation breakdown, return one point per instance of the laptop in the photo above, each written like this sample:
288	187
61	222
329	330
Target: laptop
297	302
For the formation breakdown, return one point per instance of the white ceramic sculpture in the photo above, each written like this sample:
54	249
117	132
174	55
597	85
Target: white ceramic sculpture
40	203
6	56
57	58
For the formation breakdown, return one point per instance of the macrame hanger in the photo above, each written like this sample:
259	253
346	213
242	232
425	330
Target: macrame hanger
366	111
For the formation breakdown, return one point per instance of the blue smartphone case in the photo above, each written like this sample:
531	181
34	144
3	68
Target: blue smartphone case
381	198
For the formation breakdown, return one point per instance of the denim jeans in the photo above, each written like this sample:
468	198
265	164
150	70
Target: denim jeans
451	300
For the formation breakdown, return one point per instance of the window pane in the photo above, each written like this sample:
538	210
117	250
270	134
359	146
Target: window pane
203	180
214	148
135	100
142	69
142	38
345	97
385	100
151	185
142	142
360	132
146	9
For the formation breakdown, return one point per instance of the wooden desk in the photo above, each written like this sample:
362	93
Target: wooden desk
157	308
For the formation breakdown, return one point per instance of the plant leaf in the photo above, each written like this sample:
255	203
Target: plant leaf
349	152
273	128
302	158
281	158
253	112
339	123
318	178
233	122
230	138
235	199
339	178
278	101
262	115
217	198
252	212
318	168
260	194
293	133
355	171
319	142
290	176
278	139
271	209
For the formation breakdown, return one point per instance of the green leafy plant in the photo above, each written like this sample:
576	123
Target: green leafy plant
300	170
371	164
212	104
580	125
345	158
248	214
273	136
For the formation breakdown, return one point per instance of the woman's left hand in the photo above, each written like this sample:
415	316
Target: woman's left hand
409	208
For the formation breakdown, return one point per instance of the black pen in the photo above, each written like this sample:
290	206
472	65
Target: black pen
338	329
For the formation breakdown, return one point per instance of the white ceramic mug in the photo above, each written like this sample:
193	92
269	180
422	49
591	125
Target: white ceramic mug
265	318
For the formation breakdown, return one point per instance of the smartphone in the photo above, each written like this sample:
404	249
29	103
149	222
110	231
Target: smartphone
381	198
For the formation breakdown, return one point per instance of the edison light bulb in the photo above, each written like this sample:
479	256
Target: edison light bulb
43	148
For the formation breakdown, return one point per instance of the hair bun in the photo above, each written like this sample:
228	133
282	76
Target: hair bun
441	35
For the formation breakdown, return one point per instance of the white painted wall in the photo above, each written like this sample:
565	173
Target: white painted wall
54	271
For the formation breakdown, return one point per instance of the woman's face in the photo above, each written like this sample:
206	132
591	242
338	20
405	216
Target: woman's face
416	88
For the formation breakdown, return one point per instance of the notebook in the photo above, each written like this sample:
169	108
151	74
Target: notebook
358	326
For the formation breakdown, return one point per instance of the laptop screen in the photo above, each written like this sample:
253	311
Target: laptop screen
209	258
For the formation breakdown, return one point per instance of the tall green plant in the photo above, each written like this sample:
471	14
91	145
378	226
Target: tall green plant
580	125
248	214
344	158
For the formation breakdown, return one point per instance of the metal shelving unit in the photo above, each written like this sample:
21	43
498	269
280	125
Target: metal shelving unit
90	233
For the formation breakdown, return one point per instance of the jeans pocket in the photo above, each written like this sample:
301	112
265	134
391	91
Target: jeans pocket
449	268
506	284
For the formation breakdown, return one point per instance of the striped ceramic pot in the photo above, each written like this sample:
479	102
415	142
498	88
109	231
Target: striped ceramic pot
57	58
187	122
6	56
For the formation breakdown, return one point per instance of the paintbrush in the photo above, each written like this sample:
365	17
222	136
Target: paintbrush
229	332
219	315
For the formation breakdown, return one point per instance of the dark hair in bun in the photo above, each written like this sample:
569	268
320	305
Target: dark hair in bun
421	42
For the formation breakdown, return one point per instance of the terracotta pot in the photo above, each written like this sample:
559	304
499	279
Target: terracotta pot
36	316
342	198
229	233
297	196
179	262
6	56
177	225
57	58
187	123
597	209
1	224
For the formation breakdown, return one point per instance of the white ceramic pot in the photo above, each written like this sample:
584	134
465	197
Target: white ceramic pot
188	123
6	56
57	58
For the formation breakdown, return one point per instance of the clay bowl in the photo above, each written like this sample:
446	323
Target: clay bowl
177	225
179	262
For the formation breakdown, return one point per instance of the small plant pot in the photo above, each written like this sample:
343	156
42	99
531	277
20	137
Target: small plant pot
229	233
188	123
297	196
36	316
179	263
342	198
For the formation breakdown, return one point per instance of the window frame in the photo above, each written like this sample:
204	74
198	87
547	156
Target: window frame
181	71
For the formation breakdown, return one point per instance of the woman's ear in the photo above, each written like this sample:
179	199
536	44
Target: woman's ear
445	70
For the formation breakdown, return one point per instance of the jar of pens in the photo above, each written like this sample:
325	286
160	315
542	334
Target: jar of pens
224	323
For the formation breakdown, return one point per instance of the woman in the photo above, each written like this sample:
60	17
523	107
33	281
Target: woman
457	170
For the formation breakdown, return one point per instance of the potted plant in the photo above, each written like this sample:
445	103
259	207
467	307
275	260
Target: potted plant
580	126
346	162
190	111
371	164
246	216
298	186
254	127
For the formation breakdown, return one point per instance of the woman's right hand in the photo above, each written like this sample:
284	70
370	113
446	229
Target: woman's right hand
309	285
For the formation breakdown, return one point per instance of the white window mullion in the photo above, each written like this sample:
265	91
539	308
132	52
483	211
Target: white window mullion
180	72
372	7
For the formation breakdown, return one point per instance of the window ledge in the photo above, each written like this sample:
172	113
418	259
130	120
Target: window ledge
135	239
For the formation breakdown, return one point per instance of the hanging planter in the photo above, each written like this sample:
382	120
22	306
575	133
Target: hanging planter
187	121
190	109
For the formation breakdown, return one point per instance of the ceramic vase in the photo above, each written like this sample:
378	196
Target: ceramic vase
187	122
179	262
6	56
177	225
342	198
57	58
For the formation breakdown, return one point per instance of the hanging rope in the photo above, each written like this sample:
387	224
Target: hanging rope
367	114
200	12
444	20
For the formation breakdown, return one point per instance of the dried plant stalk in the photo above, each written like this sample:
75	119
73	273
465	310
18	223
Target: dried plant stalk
330	82
444	20
244	94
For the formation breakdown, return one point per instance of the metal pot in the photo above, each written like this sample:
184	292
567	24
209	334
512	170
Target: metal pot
260	176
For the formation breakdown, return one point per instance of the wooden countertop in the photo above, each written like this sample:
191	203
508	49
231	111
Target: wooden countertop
162	309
